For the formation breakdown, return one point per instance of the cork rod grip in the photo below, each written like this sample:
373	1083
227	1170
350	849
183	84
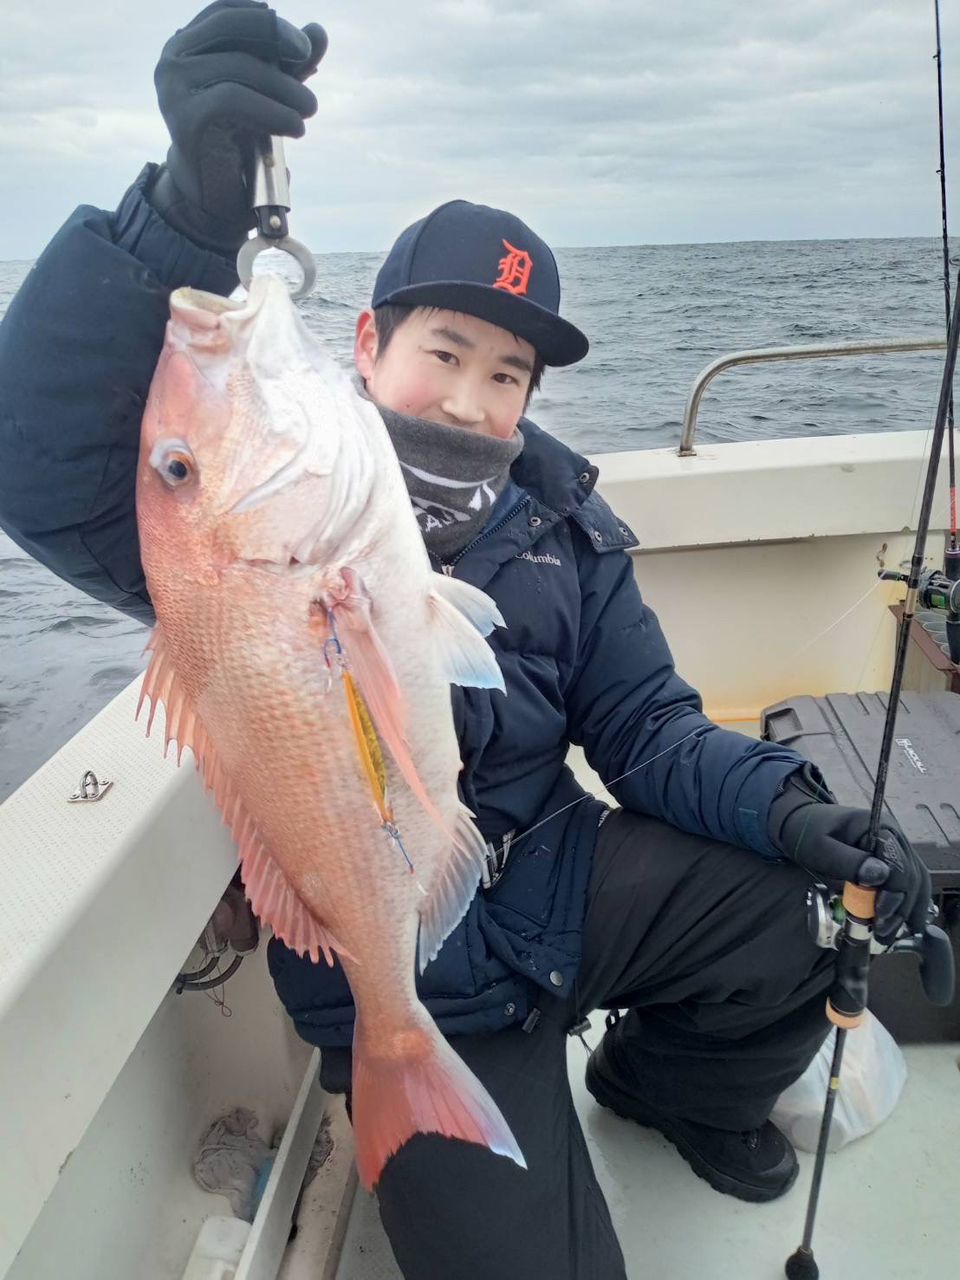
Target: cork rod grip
859	902
847	1001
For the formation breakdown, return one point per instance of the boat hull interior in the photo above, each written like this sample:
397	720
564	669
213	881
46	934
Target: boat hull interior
761	560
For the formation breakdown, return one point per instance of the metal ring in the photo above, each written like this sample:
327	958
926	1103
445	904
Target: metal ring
300	254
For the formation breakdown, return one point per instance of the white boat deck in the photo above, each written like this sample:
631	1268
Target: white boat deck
886	1208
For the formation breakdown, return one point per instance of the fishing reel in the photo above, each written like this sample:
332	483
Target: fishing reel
825	919
939	591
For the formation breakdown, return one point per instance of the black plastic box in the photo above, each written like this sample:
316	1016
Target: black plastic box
841	734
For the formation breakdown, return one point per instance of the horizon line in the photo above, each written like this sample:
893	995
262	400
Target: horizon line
645	244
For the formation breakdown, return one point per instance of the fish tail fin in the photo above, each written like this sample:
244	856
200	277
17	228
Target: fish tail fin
425	1089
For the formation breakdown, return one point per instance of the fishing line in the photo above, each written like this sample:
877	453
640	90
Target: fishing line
869	652
952	464
808	644
832	626
590	795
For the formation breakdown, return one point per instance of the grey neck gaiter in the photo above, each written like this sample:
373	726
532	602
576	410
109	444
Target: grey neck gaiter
454	476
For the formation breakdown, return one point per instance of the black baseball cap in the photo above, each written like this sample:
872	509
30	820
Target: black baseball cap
486	263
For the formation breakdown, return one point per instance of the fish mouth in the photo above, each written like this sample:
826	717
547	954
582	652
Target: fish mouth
196	320
199	307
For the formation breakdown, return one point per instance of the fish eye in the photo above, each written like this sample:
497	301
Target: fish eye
174	462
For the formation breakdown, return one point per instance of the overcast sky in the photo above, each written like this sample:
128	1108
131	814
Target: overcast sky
600	122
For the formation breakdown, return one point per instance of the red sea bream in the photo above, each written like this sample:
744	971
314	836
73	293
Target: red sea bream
304	652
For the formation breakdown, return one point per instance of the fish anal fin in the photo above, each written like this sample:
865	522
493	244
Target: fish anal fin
271	895
454	890
276	903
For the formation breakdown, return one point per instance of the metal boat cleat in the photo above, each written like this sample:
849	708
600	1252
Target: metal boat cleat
90	789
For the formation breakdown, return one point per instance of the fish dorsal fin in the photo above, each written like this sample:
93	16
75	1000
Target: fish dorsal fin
462	616
273	898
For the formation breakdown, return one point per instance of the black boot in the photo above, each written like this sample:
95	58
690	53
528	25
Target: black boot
756	1165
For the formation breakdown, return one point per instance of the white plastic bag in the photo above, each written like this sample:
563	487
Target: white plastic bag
872	1076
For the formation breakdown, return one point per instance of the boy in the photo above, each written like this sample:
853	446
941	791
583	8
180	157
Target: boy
675	907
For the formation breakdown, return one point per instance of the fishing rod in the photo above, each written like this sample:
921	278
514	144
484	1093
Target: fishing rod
952	556
847	1000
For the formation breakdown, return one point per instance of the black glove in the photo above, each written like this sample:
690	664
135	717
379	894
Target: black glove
830	840
231	75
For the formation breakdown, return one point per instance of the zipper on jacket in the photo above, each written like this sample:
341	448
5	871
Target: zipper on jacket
449	567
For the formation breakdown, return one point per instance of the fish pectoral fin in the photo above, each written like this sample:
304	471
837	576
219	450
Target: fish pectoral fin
475	605
373	672
454	890
271	895
462	616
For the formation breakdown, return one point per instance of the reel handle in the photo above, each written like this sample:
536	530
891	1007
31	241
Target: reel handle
937	968
937	971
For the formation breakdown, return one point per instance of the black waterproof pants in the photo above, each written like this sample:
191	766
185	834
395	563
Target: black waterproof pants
707	947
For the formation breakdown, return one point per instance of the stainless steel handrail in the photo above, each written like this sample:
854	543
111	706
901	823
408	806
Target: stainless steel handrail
762	355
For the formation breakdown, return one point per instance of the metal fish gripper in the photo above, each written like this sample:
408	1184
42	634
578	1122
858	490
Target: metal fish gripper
270	201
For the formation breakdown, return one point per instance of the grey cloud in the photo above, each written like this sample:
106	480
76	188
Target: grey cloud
619	121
